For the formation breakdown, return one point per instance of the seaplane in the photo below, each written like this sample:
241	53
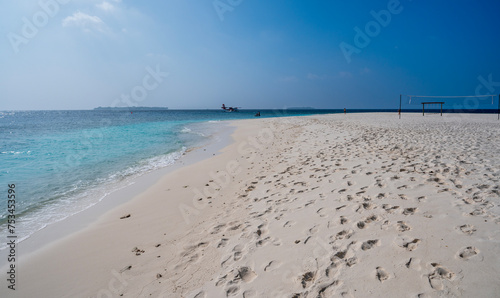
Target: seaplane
229	109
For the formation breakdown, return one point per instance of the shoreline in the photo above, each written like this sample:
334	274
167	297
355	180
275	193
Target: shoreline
59	236
332	204
77	222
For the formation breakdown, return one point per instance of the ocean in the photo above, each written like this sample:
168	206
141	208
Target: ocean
63	162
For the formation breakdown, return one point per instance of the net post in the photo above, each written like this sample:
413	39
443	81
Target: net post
423	109
498	106
400	106
441	109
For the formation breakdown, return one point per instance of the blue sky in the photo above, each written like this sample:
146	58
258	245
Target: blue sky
82	54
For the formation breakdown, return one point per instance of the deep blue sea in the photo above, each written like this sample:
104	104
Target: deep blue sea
63	162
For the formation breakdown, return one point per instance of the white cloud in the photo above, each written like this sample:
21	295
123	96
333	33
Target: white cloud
106	6
84	21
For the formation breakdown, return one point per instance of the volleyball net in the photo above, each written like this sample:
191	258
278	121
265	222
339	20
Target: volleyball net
432	105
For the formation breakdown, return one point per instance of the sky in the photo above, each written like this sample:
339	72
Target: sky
198	54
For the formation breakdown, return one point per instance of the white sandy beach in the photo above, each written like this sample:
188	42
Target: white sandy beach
356	205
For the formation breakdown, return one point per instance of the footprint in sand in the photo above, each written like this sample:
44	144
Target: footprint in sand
307	279
414	264
237	252
439	273
370	219
381	274
217	229
262	242
368	206
370	244
408	243
232	291
310	203
390	209
477	212
273	265
422	199
247	274
403	197
328	290
340	208
322	212
233	227
314	230
427	215
412	245
345	234
343	220
333	270
467	229
261	230
402	226
192	254
409	211
351	261
385	225
222	243
467	252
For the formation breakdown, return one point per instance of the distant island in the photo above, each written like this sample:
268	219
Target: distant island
300	108
131	108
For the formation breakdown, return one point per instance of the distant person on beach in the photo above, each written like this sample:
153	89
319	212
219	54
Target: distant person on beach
345	111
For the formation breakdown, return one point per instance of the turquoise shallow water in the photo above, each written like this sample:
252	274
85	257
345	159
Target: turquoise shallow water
62	162
65	161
